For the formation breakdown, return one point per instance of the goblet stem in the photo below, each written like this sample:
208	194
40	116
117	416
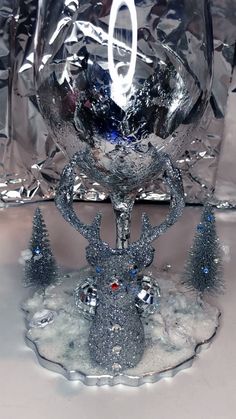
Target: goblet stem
122	206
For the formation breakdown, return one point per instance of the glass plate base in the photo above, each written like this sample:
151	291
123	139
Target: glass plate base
58	332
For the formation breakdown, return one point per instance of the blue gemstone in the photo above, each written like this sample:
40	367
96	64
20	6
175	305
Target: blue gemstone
133	272
210	218
114	135
205	270
98	269
200	228
37	251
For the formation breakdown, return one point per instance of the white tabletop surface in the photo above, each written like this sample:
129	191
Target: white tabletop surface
27	391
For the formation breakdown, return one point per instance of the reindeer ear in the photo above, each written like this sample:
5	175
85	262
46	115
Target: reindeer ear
97	252
142	255
93	256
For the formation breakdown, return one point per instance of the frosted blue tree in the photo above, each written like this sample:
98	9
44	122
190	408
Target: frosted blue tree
203	269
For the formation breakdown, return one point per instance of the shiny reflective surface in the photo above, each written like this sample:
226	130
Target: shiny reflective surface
122	104
30	161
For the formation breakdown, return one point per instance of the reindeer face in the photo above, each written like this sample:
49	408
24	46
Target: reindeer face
117	273
117	278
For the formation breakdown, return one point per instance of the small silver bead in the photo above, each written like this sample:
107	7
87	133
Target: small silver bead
116	327
116	349
116	367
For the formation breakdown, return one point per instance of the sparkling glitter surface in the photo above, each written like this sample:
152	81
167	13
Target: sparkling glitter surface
172	334
117	272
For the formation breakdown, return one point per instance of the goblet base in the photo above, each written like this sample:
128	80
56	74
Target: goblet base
58	330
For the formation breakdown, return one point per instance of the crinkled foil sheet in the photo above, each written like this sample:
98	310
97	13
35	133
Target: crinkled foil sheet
30	162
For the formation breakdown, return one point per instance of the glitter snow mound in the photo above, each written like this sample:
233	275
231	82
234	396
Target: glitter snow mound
59	333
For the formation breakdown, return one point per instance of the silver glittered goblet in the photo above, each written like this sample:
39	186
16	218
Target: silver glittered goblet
122	97
129	83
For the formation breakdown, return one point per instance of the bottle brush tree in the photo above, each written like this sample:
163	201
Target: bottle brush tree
41	268
203	269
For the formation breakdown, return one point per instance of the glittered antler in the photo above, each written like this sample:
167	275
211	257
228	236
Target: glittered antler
173	179
64	201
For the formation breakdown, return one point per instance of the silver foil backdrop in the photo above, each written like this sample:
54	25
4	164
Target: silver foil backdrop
31	162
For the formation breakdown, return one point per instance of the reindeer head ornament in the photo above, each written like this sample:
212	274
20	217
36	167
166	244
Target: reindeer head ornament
116	339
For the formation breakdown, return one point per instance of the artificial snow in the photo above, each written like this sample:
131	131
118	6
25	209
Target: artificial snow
60	331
